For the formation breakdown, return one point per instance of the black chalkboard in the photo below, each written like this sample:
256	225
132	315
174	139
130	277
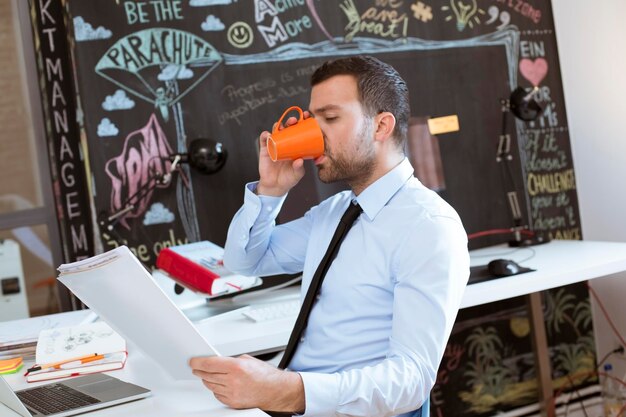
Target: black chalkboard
154	75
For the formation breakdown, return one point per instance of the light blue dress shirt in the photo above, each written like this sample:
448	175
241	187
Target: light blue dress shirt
377	332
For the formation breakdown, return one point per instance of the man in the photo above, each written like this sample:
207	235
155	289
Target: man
381	320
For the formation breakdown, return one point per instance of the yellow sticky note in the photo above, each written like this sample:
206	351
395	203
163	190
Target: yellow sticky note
445	124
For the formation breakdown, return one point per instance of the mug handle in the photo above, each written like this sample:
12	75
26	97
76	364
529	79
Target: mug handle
280	121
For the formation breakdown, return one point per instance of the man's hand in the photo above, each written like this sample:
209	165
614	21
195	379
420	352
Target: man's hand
277	178
246	382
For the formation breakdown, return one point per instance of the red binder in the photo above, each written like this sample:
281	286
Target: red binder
186	271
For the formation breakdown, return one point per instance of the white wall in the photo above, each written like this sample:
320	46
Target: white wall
591	38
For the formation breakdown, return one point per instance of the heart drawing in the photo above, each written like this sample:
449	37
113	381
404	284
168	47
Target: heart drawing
534	71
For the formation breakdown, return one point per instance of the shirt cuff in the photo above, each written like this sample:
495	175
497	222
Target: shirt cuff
263	207
321	393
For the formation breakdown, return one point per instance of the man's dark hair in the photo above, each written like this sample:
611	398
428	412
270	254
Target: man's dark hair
380	88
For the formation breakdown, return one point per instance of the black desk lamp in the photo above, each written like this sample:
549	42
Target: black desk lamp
524	107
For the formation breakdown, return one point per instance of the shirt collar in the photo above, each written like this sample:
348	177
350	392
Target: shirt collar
378	194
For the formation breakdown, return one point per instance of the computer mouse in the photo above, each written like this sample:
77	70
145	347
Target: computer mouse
503	267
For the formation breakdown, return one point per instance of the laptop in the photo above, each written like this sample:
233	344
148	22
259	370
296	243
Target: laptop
67	398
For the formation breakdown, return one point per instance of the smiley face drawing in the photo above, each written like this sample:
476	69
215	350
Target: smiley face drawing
240	35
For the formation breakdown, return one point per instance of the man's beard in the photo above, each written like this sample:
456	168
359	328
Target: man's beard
351	168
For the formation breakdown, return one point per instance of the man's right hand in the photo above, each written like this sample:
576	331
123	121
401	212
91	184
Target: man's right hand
277	178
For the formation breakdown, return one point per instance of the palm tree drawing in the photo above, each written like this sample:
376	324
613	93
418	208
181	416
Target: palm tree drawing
558	308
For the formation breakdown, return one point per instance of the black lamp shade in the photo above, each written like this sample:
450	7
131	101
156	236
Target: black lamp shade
523	106
206	155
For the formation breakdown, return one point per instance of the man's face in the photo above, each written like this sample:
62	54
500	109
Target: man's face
349	153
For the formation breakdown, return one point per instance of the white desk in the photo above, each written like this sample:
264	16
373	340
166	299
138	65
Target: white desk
169	399
557	263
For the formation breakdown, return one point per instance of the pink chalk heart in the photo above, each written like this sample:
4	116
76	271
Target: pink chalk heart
535	71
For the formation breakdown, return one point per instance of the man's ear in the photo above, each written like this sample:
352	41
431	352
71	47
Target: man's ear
384	123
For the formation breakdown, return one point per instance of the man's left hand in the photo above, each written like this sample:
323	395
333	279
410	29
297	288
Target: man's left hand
246	382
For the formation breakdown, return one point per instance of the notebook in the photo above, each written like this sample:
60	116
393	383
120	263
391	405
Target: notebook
77	350
78	395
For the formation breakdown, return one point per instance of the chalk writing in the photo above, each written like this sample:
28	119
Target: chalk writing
523	8
551	183
386	23
263	92
56	82
153	10
277	31
144	252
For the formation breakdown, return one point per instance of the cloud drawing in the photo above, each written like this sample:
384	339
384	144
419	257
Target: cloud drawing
212	23
107	128
83	31
174	71
118	101
158	214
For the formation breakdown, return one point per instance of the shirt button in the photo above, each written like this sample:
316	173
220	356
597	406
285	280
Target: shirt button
269	208
302	339
243	237
318	296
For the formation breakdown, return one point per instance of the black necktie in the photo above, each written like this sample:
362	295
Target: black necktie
346	222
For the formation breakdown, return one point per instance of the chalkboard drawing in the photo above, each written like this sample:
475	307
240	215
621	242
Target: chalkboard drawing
212	23
118	101
83	31
107	128
311	5
135	172
498	378
466	13
534	71
240	35
156	56
488	376
203	3
354	19
494	12
422	12
158	214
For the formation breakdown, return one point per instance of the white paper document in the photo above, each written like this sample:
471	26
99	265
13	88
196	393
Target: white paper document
123	293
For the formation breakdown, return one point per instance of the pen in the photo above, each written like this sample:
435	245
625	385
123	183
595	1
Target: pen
74	364
57	365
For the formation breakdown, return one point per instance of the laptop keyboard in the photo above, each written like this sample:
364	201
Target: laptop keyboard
54	398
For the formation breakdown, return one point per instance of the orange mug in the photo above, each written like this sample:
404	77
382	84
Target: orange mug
302	140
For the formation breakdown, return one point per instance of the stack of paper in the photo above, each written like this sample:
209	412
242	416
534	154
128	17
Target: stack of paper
18	338
77	350
123	293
